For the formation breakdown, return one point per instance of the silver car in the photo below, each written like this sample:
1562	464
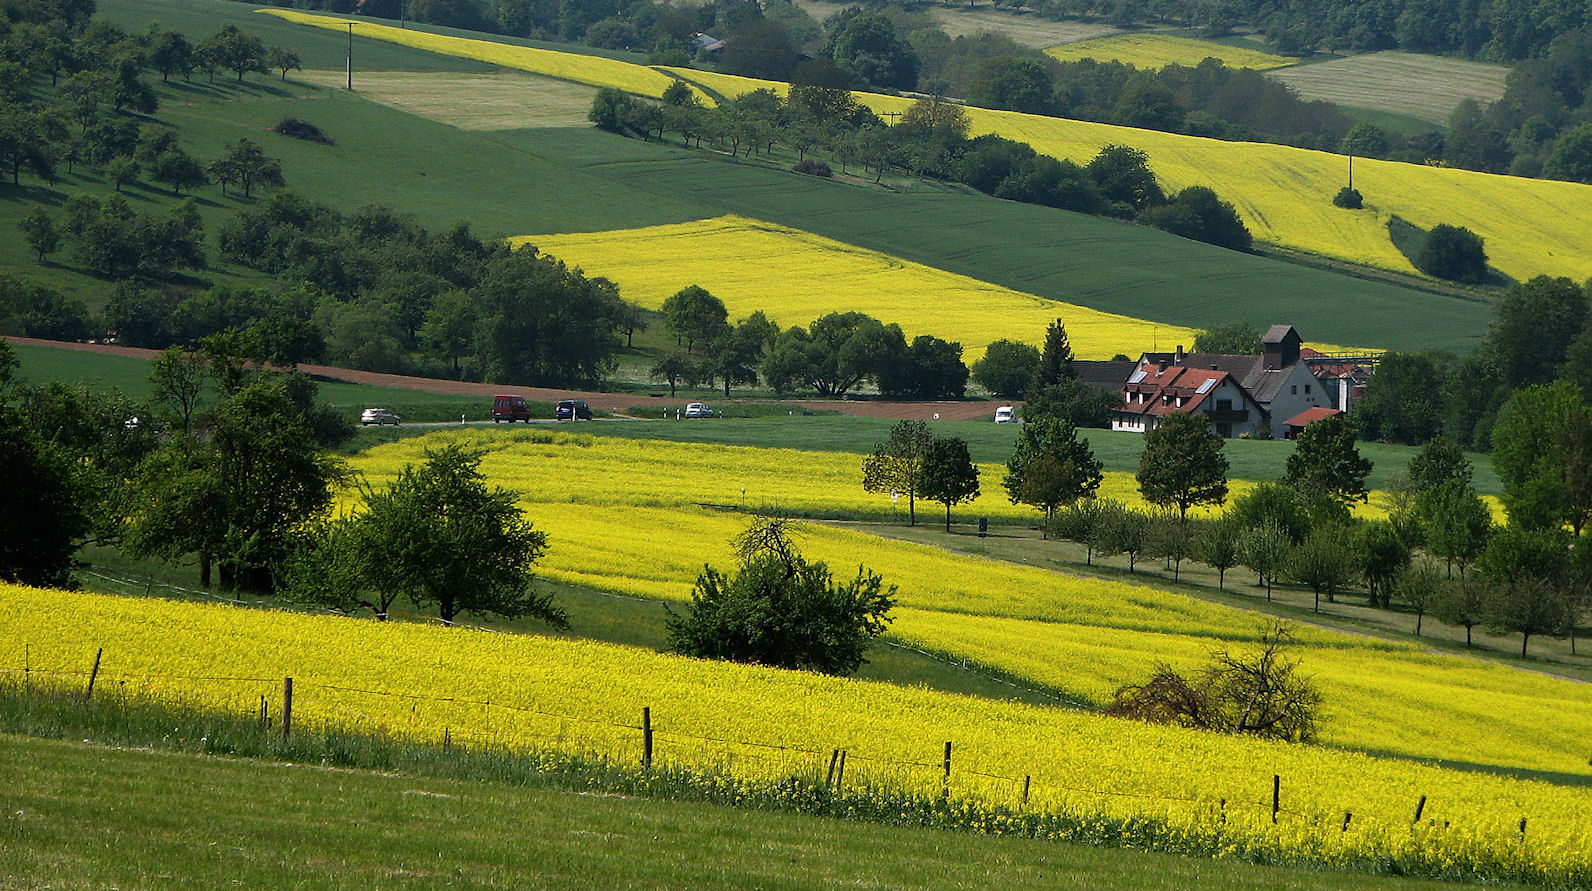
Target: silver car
378	416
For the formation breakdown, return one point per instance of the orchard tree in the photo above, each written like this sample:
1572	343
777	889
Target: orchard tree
283	60
896	465
695	316
1006	368
1072	471
1542	450
1182	464
38	230
1219	547
1322	562
246	165
1326	463
1264	548
236	51
948	474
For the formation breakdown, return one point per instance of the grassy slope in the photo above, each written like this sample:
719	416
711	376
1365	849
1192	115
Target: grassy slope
283	825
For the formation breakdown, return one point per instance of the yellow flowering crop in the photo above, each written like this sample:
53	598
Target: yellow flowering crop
592	70
521	691
1156	51
646	516
795	276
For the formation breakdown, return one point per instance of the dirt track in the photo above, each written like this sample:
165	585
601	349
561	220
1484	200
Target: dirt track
610	402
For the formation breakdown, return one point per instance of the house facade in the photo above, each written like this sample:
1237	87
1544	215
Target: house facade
1269	388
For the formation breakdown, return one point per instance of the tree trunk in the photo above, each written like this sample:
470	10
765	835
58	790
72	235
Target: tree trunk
947	516
204	569
912	508
1525	638
1418	617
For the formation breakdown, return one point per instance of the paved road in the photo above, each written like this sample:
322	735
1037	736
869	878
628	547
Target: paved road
609	402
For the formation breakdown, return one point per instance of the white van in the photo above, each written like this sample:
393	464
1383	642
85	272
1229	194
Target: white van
1004	415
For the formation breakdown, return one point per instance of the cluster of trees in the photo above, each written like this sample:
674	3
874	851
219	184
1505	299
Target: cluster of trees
72	91
833	356
1047	379
1540	337
371	290
931	141
916	463
226	468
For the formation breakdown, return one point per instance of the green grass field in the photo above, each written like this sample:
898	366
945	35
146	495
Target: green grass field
1421	86
85	815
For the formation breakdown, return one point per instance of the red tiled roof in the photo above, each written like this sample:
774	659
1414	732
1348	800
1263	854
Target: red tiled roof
1174	382
1310	416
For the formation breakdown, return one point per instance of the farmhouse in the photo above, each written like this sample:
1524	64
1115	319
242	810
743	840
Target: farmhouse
1238	392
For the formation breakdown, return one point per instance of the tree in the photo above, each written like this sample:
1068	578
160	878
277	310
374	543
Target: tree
38	230
1571	156
172	54
1197	213
613	110
694	316
1543	455
758	48
673	368
1322	562
1073	471
1258	693
1079	522
176	383
1006	368
1380	556
1537	321
283	60
1234	338
540	322
1264	548
1182	464
246	164
1121	530
1124	177
236	51
779	609
1403	400
440	536
43	510
1173	539
1325	462
1458	524
1219	547
948	474
1454	253
176	168
1013	83
896	465
1055	359
1418	585
1528	607
868	49
836	353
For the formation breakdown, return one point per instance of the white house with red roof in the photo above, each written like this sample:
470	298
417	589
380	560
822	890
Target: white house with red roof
1239	392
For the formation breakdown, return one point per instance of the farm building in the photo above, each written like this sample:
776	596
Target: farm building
1238	392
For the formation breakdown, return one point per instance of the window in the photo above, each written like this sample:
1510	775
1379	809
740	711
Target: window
1307	389
1293	390
1224	405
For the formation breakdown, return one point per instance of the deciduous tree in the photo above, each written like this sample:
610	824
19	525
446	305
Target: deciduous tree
896	465
1182	464
948	474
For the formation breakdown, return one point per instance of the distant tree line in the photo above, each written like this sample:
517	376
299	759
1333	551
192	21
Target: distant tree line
930	141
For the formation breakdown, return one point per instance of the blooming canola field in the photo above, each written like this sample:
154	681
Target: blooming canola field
763	725
1284	194
794	277
650	514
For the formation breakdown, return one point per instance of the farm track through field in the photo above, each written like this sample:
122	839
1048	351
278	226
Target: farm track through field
617	403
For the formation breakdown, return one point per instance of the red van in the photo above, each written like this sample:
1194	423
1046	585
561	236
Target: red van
510	408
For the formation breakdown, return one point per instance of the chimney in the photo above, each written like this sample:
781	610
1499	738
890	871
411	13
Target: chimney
1161	365
1179	359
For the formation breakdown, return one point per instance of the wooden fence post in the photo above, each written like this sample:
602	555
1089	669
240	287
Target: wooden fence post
1346	818
1420	806
287	707
1276	796
447	739
646	737
1026	779
829	780
88	693
840	773
1222	806
1522	825
947	761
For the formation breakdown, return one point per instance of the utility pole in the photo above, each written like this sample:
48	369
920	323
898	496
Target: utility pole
350	55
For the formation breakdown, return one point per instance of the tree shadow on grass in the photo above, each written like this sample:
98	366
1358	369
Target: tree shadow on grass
1408	238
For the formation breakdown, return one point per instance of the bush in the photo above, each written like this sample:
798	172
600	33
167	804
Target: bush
813	168
781	610
1454	253
301	129
1348	198
1258	693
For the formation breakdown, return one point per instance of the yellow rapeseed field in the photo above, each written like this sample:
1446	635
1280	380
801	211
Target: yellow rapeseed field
1284	194
795	276
593	70
524	691
1156	51
648	515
